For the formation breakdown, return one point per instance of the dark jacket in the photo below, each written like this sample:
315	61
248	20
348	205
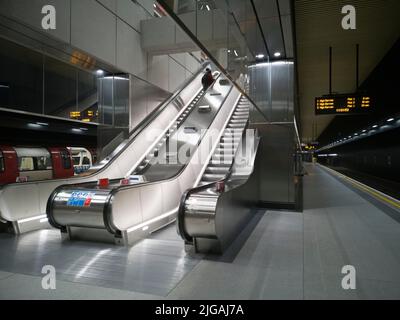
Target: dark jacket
207	80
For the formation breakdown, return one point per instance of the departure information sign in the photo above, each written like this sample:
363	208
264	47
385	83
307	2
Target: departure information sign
342	104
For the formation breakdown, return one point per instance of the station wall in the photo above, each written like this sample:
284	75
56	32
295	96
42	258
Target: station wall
110	31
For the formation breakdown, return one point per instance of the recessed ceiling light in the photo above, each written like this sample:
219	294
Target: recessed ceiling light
390	120
375	126
100	72
260	56
277	54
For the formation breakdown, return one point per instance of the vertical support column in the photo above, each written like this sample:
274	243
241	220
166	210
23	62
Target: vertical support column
357	65
330	70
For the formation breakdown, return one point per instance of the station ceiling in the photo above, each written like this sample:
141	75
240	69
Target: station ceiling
267	26
318	26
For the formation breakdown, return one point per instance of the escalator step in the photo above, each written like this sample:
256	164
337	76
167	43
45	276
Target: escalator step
221	170
235	125
227	145
212	177
220	163
229	150
222	157
243	121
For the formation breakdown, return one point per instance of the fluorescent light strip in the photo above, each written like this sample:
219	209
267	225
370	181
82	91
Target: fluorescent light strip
115	77
146	223
271	63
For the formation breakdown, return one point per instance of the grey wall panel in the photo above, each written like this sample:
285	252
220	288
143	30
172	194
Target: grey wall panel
180	58
277	164
158	72
147	4
260	90
131	13
284	7
96	35
30	13
181	38
143	100
130	56
191	63
291	93
220	27
138	100
175	74
109	4
157	33
287	32
266	8
279	93
204	25
271	86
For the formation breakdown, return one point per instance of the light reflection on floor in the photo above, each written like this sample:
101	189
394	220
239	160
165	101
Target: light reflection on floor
154	265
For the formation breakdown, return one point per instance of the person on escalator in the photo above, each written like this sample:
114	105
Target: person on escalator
207	79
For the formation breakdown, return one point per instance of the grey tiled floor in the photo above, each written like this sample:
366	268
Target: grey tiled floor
286	256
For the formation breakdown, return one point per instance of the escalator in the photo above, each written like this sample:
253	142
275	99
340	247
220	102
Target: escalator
30	214
124	211
213	213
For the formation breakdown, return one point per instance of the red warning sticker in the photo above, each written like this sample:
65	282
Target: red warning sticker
87	202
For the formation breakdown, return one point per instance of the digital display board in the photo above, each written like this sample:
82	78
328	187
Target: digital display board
342	104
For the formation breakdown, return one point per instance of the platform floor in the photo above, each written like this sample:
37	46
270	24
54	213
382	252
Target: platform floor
280	255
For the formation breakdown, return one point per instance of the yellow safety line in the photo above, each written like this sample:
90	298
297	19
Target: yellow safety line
367	189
